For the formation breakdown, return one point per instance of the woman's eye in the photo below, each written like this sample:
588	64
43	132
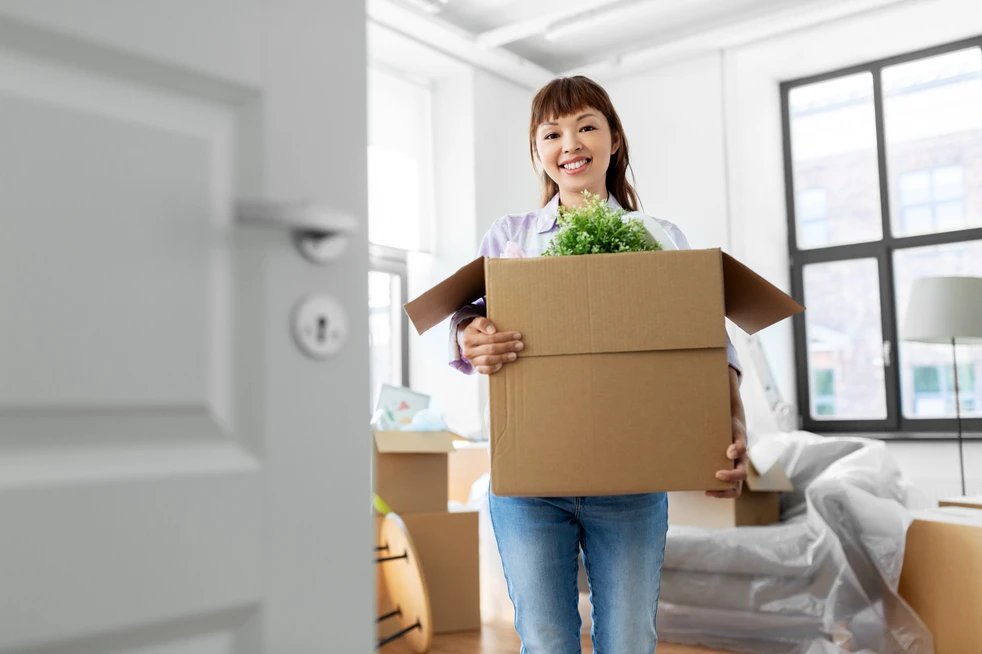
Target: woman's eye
589	127
548	136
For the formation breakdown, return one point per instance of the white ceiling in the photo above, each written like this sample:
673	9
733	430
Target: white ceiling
616	27
510	37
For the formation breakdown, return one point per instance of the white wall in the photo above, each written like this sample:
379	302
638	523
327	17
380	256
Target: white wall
454	235
673	122
504	178
672	118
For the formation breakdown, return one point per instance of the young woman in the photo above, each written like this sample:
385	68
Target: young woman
577	143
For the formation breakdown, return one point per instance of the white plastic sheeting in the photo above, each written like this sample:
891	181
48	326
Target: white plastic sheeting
823	581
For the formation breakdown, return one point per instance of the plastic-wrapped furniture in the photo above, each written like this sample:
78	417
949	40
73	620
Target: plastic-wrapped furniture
822	581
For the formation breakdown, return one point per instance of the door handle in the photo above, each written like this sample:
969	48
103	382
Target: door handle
320	232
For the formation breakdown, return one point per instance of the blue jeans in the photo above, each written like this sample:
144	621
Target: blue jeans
623	542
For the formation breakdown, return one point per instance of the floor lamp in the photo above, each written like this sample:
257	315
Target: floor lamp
946	310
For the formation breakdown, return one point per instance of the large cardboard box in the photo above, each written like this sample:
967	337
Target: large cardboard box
623	385
942	576
758	505
411	469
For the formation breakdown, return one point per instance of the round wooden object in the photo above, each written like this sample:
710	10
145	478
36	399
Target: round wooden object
406	584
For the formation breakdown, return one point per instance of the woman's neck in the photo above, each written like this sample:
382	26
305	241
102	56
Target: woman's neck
575	198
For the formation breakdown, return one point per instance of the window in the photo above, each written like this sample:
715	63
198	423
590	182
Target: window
399	199
883	166
388	330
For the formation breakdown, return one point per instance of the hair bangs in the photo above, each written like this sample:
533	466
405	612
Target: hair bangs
564	96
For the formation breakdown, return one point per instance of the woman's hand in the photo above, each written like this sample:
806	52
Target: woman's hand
485	348
738	450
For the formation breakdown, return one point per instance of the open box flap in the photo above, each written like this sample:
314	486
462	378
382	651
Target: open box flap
443	300
752	302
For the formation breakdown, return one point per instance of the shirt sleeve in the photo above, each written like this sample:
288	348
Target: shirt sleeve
492	245
683	244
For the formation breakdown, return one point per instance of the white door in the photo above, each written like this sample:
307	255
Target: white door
175	475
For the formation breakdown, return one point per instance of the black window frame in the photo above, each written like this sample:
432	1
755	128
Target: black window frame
394	261
895	426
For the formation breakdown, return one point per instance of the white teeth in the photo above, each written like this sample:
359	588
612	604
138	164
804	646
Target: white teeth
575	164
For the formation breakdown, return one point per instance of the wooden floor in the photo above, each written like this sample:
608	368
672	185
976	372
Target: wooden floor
502	639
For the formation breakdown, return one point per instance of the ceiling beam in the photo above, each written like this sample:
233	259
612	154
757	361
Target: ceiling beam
445	37
711	38
524	29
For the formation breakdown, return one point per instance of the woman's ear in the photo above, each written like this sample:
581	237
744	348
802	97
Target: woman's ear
616	146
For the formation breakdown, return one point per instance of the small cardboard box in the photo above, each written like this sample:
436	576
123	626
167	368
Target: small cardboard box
447	545
942	576
411	469
759	504
973	502
623	385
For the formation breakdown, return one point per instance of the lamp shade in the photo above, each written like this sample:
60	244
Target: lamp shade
943	308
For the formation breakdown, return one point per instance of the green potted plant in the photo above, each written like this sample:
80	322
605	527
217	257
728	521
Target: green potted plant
596	228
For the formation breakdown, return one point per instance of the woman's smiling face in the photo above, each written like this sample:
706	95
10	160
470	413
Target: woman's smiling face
575	151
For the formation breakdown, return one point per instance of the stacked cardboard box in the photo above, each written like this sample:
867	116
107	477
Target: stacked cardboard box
942	576
623	384
411	476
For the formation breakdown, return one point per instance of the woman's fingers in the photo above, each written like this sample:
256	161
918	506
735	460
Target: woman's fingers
483	325
474	337
509	347
739	473
493	359
488	350
736	451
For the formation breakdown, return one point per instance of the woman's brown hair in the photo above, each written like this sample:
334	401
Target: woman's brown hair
561	97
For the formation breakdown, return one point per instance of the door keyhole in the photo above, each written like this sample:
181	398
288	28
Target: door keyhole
320	326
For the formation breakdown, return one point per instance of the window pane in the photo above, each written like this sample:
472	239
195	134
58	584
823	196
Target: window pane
949	183
950	215
932	111
813	220
845	341
833	148
393	199
918	219
927	378
915	188
384	330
